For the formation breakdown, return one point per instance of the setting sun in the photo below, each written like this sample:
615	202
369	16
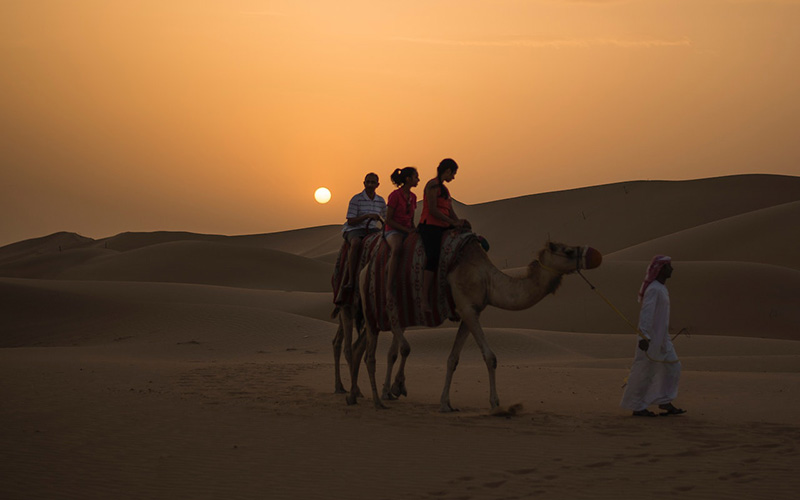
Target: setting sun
322	195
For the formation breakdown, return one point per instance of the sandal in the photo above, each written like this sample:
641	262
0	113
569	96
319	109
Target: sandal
644	413
670	409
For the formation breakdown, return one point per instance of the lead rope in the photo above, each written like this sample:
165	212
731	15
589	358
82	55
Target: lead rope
634	328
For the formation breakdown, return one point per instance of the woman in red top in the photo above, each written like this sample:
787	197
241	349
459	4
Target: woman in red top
399	217
437	216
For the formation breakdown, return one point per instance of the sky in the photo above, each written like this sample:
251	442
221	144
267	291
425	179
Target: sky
224	117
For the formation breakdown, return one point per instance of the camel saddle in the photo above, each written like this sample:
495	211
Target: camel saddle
407	284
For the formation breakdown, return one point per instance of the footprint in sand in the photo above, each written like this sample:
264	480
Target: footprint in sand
599	464
520	472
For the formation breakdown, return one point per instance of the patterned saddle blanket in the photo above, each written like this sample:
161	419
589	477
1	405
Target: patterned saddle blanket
407	284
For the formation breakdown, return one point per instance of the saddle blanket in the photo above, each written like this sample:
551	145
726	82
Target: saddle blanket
340	296
408	293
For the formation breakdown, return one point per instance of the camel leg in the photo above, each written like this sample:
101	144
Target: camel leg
372	344
352	353
355	392
337	351
452	363
358	354
346	324
399	386
390	360
488	356
399	341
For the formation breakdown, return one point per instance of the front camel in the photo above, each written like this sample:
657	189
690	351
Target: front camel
474	283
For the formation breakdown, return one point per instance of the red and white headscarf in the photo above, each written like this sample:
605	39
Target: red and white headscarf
653	269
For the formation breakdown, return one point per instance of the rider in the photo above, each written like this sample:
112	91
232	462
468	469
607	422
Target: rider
399	217
365	210
437	216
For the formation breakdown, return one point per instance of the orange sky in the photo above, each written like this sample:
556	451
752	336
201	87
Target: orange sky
225	116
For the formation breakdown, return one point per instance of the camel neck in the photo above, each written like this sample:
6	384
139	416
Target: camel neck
507	292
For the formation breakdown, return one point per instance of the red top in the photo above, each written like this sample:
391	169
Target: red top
404	207
444	205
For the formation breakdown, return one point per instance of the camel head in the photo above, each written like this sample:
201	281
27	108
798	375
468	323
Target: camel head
566	259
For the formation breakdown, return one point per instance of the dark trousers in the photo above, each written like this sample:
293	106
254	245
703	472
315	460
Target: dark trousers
432	242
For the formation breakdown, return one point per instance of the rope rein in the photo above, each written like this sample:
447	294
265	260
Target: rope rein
633	327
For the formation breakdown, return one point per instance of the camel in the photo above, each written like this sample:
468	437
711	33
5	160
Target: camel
475	283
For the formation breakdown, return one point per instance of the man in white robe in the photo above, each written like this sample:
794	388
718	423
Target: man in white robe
655	373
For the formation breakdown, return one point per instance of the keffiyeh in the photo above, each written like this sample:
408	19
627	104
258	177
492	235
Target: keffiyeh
652	272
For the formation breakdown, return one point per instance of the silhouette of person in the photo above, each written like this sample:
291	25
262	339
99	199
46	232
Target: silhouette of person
437	216
365	210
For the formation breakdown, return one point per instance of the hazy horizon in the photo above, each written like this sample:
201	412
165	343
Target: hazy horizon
223	118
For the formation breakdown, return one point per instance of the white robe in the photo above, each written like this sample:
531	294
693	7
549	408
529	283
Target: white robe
651	382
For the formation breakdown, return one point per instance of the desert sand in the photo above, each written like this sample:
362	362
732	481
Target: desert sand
180	365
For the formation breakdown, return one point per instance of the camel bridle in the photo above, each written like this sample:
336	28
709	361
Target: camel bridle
580	257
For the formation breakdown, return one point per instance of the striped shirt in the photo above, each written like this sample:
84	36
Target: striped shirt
360	204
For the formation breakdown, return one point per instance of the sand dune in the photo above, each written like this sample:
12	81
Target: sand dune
208	263
50	265
308	242
616	216
124	242
172	364
299	241
39	312
52	243
37	315
769	235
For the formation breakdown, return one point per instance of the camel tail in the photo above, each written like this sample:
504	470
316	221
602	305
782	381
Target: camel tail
335	312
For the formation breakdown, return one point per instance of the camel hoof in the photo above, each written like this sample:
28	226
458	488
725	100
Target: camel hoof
380	406
340	390
399	389
351	400
447	409
388	396
511	411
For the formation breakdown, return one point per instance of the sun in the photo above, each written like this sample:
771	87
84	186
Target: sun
322	195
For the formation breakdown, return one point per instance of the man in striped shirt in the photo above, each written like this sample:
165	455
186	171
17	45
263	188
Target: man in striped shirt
365	210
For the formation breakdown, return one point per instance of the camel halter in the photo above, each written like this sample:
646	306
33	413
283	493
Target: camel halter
634	328
577	261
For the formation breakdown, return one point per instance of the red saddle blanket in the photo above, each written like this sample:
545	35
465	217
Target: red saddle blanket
408	282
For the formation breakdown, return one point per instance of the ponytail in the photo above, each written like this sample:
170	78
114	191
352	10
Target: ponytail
401	175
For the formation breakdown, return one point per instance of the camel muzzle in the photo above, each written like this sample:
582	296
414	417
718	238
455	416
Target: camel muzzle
591	258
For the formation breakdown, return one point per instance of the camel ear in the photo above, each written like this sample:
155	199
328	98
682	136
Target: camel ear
551	246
